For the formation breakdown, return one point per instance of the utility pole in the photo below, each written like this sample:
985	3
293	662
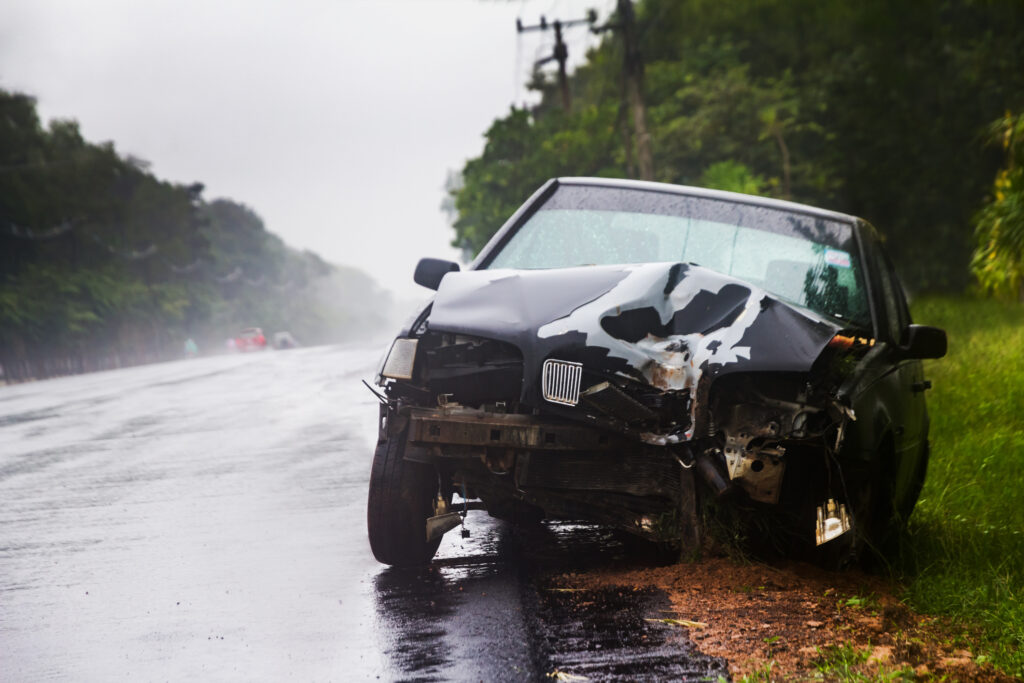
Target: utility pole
633	80
561	52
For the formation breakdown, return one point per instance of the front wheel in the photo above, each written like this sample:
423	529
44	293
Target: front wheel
402	495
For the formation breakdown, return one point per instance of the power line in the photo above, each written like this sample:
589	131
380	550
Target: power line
36	164
150	250
129	255
23	233
561	51
19	232
183	270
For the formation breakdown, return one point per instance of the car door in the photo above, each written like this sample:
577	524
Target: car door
881	398
910	424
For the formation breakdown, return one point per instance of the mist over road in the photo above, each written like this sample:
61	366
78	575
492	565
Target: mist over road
206	519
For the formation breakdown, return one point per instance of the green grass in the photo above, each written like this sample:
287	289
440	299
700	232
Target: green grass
762	674
847	664
840	662
964	555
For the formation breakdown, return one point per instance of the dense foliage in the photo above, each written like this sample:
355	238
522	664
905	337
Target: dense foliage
875	108
999	257
102	264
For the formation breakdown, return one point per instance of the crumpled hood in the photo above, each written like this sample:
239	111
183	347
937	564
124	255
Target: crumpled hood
663	323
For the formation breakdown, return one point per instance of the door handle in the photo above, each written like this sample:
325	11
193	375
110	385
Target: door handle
923	385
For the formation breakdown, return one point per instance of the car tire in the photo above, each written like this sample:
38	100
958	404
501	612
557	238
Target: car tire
401	498
876	524
916	484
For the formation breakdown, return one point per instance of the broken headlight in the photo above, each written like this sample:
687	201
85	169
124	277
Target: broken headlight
400	360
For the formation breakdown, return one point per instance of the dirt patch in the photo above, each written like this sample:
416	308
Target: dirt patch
796	621
611	634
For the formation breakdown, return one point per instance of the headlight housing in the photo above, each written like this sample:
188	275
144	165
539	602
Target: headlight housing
401	359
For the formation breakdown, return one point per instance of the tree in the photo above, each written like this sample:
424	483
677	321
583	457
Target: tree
103	264
871	108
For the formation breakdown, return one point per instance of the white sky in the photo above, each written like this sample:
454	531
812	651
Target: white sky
336	120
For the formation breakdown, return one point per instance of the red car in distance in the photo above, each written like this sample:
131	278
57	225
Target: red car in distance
251	339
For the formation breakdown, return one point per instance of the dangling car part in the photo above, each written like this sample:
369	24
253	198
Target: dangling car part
620	350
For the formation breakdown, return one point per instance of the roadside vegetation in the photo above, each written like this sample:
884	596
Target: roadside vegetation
883	109
102	264
964	555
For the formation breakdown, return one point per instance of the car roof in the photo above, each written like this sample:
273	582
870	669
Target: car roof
711	194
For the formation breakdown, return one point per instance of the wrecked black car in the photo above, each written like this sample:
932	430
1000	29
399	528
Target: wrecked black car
626	352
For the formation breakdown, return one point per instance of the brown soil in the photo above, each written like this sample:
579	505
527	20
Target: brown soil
759	616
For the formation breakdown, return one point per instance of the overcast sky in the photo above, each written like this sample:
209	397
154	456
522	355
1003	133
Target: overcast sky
336	120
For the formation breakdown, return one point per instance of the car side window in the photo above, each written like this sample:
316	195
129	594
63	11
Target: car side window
902	309
896	313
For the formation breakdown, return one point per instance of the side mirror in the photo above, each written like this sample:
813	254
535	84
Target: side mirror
430	271
924	342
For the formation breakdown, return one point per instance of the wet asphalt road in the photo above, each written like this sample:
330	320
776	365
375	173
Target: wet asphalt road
205	520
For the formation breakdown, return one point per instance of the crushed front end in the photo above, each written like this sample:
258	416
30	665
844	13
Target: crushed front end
619	395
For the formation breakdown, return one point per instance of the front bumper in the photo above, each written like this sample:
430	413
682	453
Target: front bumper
467	427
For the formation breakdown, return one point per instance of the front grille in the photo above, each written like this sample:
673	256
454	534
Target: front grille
560	381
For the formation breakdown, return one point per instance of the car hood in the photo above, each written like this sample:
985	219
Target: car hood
667	324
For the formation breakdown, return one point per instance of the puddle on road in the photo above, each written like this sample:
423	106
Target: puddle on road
416	604
486	609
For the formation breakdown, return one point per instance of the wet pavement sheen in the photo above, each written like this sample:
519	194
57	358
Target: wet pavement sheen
206	519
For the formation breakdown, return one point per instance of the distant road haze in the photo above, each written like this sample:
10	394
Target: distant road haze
198	519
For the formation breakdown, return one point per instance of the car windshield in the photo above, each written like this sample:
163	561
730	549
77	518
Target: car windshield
806	260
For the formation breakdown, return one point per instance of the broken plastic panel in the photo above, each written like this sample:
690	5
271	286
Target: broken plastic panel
439	525
833	521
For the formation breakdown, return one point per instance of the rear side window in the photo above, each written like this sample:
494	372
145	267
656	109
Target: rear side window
897	313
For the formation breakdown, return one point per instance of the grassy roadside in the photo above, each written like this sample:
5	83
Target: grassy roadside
956	608
965	553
